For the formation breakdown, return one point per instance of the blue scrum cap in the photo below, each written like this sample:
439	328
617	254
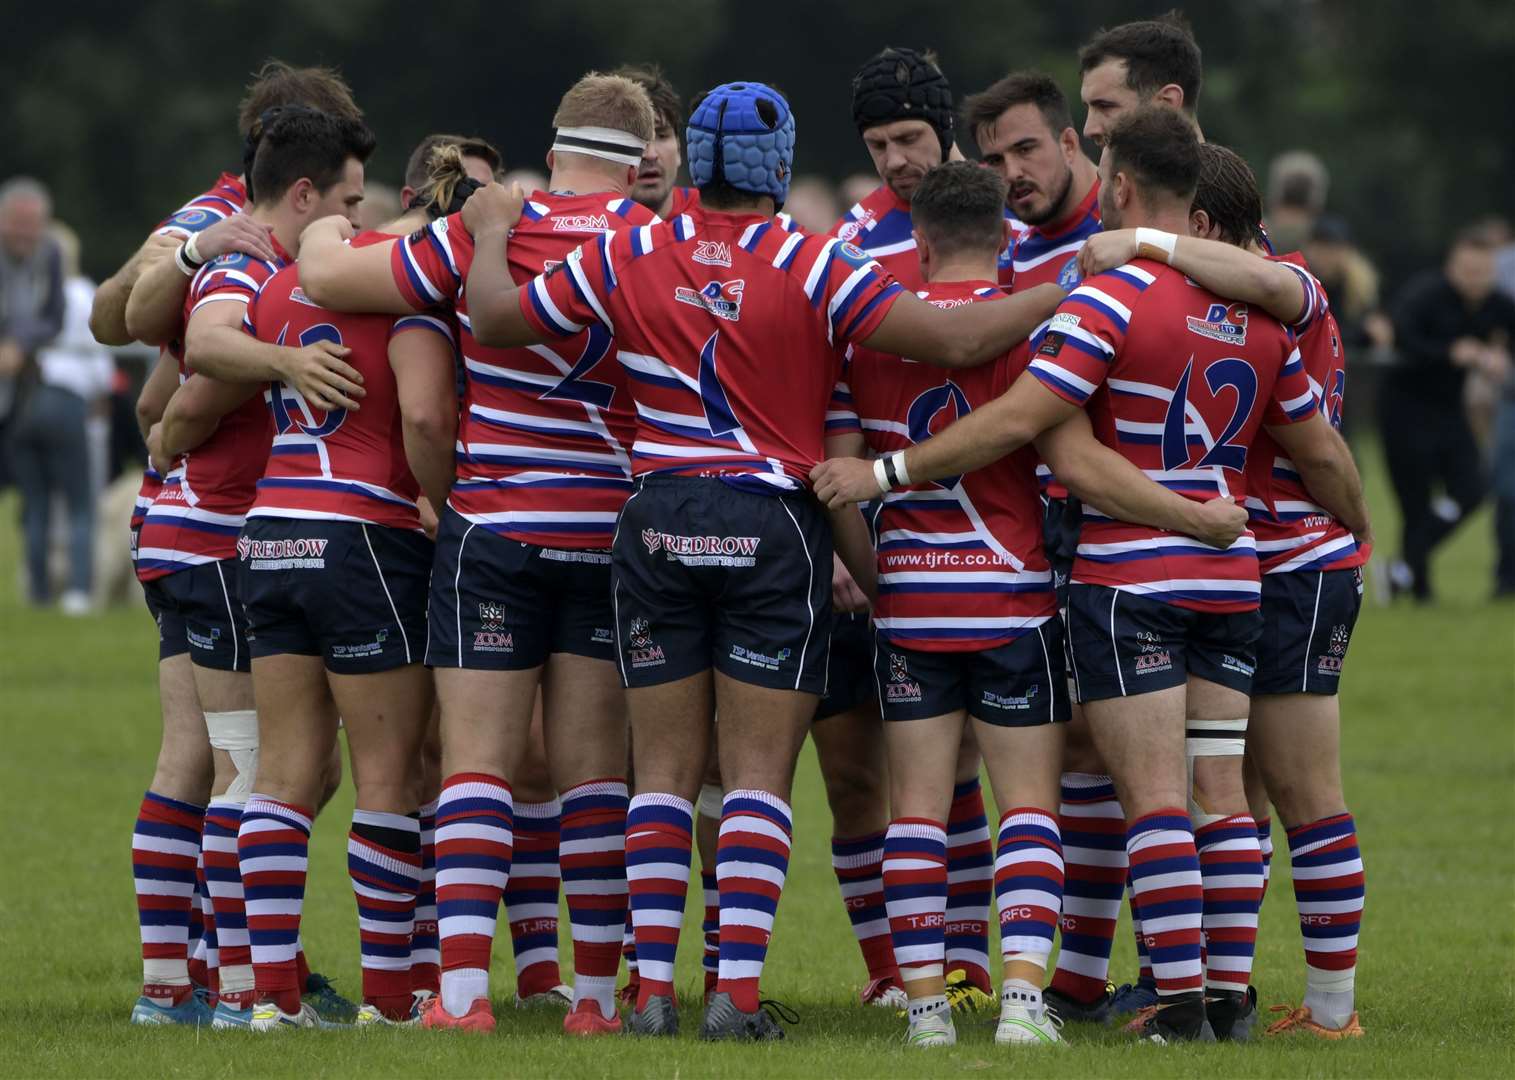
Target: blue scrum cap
743	133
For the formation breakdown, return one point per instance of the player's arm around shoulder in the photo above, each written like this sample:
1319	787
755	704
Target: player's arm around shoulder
107	313
965	336
341	277
494	299
1326	467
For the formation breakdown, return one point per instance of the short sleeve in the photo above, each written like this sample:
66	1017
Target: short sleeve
562	301
849	290
431	264
196	216
428	323
231	277
1293	398
1315	299
1071	354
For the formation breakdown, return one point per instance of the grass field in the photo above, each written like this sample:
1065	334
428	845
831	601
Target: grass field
1430	761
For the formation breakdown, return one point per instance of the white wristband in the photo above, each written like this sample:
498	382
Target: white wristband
186	268
191	251
880	475
899	468
1155	244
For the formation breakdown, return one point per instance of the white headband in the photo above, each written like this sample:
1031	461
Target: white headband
621	147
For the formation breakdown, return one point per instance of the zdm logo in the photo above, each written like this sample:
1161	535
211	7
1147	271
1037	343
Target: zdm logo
643	652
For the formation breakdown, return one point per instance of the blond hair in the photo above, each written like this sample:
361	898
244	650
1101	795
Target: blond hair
607	101
444	172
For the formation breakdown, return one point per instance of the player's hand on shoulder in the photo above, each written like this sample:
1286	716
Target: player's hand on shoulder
322	376
493	206
1105	251
1219	522
838	482
239	233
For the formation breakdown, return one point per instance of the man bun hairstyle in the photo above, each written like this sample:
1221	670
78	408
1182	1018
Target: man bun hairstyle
902	84
298	141
1159	148
446	185
1227	193
418	165
960	206
1156	51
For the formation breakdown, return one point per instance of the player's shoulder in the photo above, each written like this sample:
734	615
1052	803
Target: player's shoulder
225	197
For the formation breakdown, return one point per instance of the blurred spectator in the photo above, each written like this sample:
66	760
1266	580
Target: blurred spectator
1367	335
381	203
856	188
51	440
1447	323
1504	430
31	296
812	203
1297	187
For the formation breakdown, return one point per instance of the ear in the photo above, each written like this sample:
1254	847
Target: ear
1199	224
551	161
302	194
631	176
922	252
1068	140
406	194
1171	95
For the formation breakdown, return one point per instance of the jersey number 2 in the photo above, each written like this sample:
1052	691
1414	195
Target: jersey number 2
1229	372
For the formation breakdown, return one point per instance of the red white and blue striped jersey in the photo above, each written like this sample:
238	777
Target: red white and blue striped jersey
731	332
227	196
543	432
882	227
1049	255
1178	381
204	500
336	465
960	560
1292	532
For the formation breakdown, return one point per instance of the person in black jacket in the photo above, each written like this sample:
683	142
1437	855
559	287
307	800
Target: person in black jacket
1447	323
31	295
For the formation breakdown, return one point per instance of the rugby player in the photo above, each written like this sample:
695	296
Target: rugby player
657	186
903	107
1311	593
1162	632
980	643
521	589
1149	62
162	846
721	558
189	534
333	569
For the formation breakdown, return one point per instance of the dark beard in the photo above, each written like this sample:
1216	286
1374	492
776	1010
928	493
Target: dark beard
1056	207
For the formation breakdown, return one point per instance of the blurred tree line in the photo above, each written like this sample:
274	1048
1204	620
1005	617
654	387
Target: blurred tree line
127	109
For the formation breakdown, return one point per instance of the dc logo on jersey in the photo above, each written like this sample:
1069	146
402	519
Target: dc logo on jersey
1068	276
191	218
1222	322
712	252
933	410
723	299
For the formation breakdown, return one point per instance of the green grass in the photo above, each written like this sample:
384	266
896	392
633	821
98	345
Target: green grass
1430	763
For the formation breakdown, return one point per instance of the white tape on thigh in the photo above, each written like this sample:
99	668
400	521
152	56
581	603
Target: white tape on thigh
1211	738
236	733
711	799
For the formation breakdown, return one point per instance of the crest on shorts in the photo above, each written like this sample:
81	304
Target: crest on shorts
1340	635
491	615
897	670
641	638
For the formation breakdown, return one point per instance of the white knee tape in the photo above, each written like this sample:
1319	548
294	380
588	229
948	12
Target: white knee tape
236	733
711	800
1211	738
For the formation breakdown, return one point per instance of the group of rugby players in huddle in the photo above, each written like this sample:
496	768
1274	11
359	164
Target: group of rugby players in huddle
585	466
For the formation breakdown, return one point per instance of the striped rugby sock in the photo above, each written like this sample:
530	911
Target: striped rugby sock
1230	868
384	863
235	983
206	960
1265	846
1143	957
1093	828
1165	876
710	928
1028	883
752	860
1329	890
970	884
531	896
859	866
474	846
425	954
593	857
659	840
165	853
273	847
915	896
